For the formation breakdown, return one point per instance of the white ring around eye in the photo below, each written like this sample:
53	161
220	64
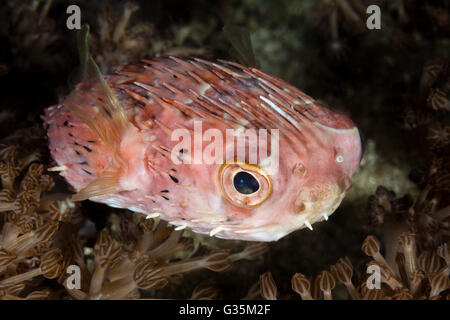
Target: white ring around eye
226	175
339	159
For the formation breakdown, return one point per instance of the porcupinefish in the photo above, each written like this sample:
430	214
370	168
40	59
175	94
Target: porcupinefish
112	140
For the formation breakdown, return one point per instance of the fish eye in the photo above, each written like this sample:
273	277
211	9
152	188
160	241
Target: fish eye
244	185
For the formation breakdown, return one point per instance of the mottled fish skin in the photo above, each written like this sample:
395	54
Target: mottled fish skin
320	149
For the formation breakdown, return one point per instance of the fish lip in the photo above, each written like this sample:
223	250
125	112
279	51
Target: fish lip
271	231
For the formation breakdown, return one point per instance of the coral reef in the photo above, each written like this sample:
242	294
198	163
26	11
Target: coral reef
394	82
117	40
33	40
413	276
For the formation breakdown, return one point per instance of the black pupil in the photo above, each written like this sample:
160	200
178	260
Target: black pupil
245	183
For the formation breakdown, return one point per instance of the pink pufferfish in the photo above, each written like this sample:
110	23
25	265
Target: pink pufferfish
111	140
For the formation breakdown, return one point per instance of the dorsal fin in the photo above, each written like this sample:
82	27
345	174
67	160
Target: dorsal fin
242	48
83	49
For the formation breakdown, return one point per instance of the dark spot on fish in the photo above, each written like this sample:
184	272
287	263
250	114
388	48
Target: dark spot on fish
66	123
184	151
165	197
173	178
76	143
153	201
173	170
92	141
107	112
175	76
165	191
78	153
183	218
89	173
83	163
87	149
70	135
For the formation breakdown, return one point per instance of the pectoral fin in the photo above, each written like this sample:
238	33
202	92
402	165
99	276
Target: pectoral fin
106	183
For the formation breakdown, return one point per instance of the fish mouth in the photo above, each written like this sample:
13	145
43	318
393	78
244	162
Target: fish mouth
314	212
317	206
319	210
264	233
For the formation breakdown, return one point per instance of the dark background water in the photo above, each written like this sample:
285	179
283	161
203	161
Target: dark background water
371	75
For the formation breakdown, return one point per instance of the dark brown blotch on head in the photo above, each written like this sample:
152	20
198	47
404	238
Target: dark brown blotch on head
173	178
87	149
299	207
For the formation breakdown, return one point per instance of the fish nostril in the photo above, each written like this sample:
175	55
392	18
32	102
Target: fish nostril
363	143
